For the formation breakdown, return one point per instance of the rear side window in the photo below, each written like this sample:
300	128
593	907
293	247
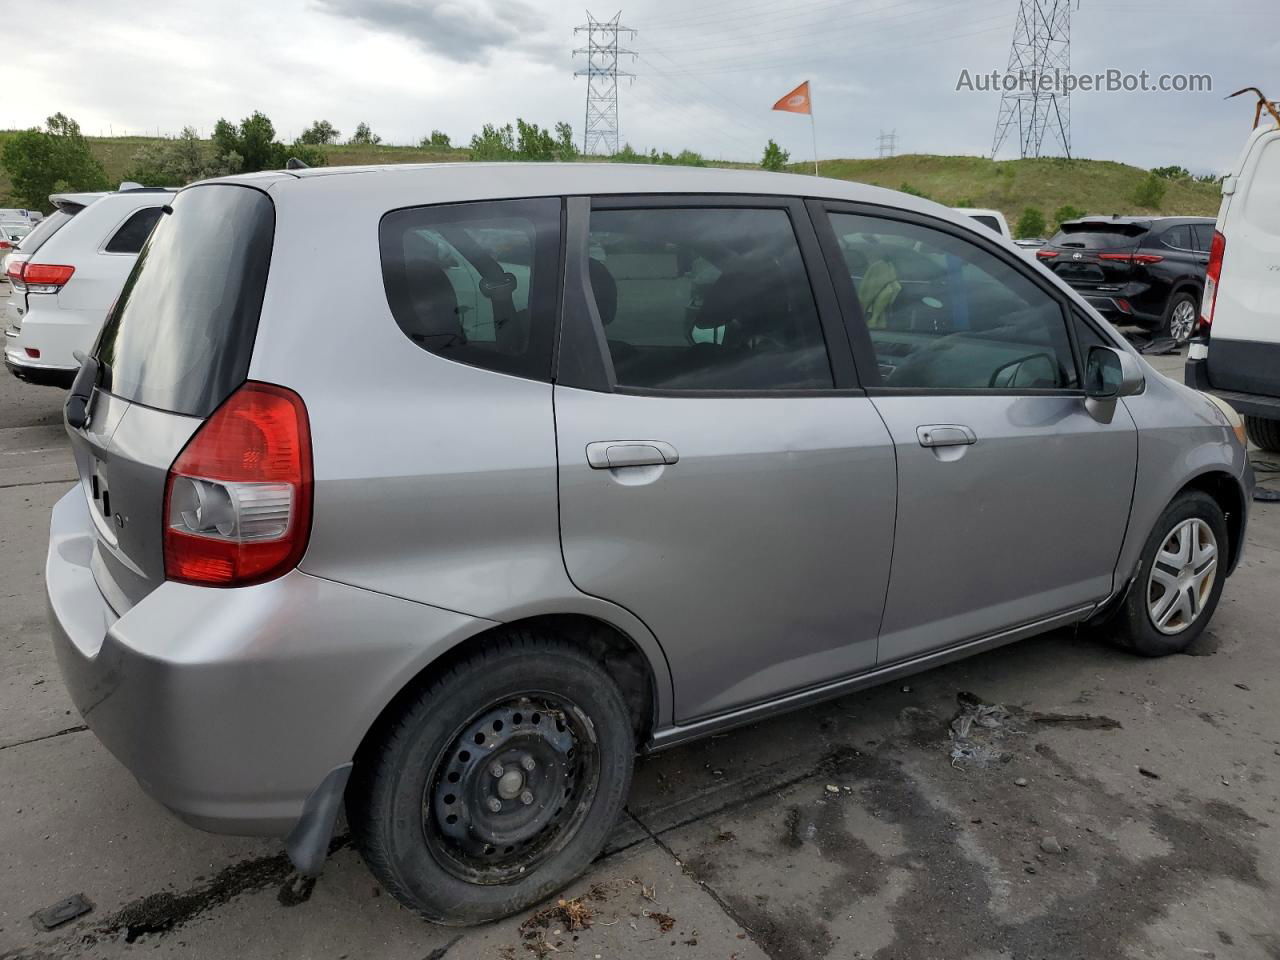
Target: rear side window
990	222
1179	237
181	334
45	229
476	282
133	232
706	299
1202	234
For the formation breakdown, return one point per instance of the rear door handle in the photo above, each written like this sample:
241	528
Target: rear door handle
611	454
945	435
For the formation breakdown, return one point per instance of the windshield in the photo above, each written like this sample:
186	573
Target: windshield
181	334
1098	236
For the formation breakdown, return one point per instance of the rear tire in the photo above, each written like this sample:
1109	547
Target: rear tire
1167	610
525	749
1180	316
1264	432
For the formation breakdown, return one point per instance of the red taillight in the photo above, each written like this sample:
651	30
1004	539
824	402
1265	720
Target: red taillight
1213	273
46	277
237	502
14	272
32	352
5	245
1046	254
1145	258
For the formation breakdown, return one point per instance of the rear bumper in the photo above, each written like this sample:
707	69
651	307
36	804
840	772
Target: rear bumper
233	707
1113	307
1195	374
38	374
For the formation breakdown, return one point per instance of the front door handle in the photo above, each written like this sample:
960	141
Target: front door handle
945	435
612	454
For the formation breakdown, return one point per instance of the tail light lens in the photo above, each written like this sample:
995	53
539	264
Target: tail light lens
1046	254
238	497
1144	258
1209	302
46	277
14	272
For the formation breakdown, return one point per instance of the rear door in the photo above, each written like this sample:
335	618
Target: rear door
722	476
177	343
1012	498
1244	353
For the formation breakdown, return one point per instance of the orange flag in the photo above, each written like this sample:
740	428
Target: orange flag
797	101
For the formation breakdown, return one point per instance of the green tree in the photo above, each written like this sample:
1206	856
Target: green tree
177	162
1067	212
253	146
1150	192
1031	224
775	158
364	136
320	132
438	139
565	147
1172	172
493	143
57	158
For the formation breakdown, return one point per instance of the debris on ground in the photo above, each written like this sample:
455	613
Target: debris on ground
1020	782
1050	845
978	731
1149	773
664	920
832	788
64	911
1087	721
573	913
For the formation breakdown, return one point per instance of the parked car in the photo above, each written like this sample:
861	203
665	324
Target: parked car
1140	271
1237	354
992	219
69	275
627	456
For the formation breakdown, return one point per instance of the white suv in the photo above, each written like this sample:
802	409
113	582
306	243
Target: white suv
70	273
1238	354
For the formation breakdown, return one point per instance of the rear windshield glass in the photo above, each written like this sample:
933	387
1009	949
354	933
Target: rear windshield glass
1098	236
43	230
181	334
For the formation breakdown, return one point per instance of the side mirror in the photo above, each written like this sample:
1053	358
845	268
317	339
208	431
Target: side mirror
1110	374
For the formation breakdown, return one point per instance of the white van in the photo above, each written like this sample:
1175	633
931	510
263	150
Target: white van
1238	353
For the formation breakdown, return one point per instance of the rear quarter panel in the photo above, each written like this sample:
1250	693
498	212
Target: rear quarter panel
434	481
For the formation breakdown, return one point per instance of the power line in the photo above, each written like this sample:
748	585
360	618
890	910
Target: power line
600	127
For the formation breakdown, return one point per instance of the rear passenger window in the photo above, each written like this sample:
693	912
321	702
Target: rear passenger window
944	314
476	282
133	232
1178	237
1202	234
706	299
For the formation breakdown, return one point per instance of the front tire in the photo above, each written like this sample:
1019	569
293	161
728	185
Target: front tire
495	785
1264	432
1180	578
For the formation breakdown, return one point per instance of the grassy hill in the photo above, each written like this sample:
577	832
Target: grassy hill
1097	186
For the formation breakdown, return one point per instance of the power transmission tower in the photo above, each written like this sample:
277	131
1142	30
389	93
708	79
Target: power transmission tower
1040	55
600	129
888	143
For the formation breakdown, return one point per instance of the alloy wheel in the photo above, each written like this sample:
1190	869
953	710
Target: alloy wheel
1182	576
1183	320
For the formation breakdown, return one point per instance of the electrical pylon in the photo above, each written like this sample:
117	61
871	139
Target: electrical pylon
600	129
1041	49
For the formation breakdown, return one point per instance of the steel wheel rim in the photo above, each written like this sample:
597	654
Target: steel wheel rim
1183	320
512	789
1182	576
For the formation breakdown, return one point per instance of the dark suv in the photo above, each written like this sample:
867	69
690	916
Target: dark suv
1140	271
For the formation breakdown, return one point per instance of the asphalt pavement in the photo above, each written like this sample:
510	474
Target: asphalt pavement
1102	806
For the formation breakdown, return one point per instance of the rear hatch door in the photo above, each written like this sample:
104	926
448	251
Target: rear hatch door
16	309
176	344
1095	255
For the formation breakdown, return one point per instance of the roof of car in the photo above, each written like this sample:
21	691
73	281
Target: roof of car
469	180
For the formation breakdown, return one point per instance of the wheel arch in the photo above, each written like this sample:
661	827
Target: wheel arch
1226	491
643	681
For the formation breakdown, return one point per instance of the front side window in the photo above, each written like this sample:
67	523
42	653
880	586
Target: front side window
476	282
944	314
133	232
706	299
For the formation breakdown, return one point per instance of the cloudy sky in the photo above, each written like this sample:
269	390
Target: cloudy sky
706	72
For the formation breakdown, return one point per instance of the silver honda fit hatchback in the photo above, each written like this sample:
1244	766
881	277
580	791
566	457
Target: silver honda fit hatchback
545	464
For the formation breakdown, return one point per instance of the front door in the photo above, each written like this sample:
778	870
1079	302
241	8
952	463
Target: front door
721	476
1013	498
